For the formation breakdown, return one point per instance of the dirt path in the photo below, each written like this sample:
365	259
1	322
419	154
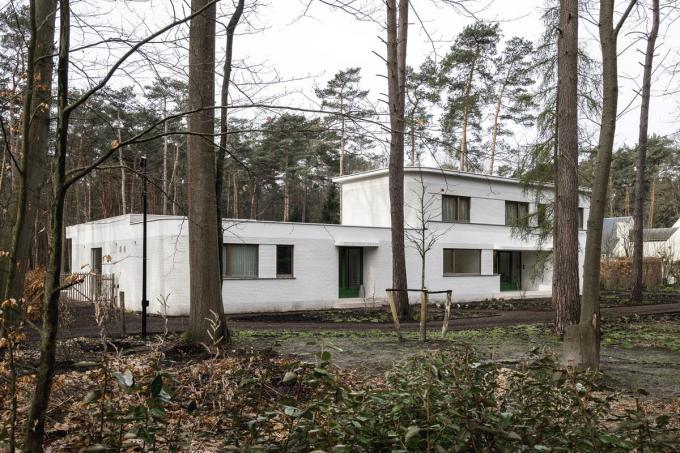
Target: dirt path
84	325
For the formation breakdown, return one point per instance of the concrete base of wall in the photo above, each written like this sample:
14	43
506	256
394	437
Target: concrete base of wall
522	294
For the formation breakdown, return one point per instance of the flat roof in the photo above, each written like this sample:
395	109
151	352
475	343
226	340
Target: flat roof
382	172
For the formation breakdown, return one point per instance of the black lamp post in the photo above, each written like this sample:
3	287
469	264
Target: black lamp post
145	303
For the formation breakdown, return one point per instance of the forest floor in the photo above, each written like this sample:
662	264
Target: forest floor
102	383
640	344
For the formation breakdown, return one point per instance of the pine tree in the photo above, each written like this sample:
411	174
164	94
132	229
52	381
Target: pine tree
467	79
343	96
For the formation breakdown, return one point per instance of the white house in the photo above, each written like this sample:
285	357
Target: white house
617	239
276	266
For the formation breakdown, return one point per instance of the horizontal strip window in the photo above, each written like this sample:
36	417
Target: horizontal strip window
462	262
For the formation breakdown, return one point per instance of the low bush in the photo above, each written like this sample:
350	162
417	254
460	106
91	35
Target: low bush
455	402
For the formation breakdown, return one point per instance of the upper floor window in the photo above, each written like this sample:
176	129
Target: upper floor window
284	260
516	213
455	209
581	222
542	215
240	260
462	262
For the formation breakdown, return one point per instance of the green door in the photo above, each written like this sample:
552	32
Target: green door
508	264
351	271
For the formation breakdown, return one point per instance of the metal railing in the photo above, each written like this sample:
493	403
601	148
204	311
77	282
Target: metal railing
89	287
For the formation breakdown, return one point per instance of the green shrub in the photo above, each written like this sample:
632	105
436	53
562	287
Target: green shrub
455	402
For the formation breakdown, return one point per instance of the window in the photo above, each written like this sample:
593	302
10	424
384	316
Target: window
542	216
68	247
96	260
516	213
462	261
240	261
284	260
455	209
580	218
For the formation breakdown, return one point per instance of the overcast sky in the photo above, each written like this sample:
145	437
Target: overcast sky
313	47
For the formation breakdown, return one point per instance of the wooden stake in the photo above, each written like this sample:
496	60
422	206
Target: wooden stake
423	315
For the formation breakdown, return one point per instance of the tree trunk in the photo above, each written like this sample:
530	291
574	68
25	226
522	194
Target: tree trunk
304	202
413	136
234	189
652	204
35	424
164	209
221	152
397	28
253	200
286	199
342	137
3	164
638	252
173	180
205	280
463	136
34	147
496	120
565	240
582	341
286	188
121	162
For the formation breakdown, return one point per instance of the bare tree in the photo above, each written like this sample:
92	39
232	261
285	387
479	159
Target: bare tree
397	29
420	235
640	192
204	261
582	341
221	152
35	129
61	181
565	239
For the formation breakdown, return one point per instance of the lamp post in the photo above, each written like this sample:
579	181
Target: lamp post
145	303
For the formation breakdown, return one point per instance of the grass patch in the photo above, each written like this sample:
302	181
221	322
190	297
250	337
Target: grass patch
661	334
522	332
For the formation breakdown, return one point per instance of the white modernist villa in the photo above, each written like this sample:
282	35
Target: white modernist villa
617	241
277	266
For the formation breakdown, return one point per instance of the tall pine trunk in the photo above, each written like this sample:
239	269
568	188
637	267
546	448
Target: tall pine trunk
565	240
652	204
397	28
463	137
496	123
164	208
638	252
205	280
173	179
121	162
253	199
582	341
